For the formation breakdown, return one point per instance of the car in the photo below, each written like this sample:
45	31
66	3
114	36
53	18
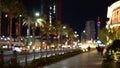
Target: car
17	49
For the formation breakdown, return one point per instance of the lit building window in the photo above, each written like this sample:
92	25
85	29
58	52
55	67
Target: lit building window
54	9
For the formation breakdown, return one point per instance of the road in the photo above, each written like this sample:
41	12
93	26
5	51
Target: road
84	60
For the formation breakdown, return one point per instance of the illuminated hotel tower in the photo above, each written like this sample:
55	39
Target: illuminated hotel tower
98	27
54	10
90	30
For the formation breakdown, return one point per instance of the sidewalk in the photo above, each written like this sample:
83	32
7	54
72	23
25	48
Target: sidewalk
84	60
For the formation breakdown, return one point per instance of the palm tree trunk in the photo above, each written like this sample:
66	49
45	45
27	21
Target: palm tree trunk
41	37
28	31
47	44
19	37
11	16
34	31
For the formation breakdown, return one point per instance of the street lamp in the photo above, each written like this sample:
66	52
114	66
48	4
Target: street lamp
64	27
83	31
37	14
75	35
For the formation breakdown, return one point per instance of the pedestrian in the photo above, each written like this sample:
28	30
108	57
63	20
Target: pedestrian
89	48
98	49
102	50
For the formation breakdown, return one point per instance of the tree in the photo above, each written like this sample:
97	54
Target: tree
40	22
107	36
59	27
13	8
33	22
71	35
28	21
104	35
117	32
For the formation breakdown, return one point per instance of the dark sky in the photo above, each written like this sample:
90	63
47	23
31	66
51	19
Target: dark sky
77	12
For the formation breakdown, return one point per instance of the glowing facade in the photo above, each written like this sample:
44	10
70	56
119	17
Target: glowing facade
114	15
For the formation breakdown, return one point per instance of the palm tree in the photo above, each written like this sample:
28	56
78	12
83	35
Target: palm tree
37	23
28	22
40	23
70	35
48	29
12	7
59	28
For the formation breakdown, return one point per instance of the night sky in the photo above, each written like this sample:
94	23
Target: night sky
76	12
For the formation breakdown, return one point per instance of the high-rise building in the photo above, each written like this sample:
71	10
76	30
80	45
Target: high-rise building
90	30
54	10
